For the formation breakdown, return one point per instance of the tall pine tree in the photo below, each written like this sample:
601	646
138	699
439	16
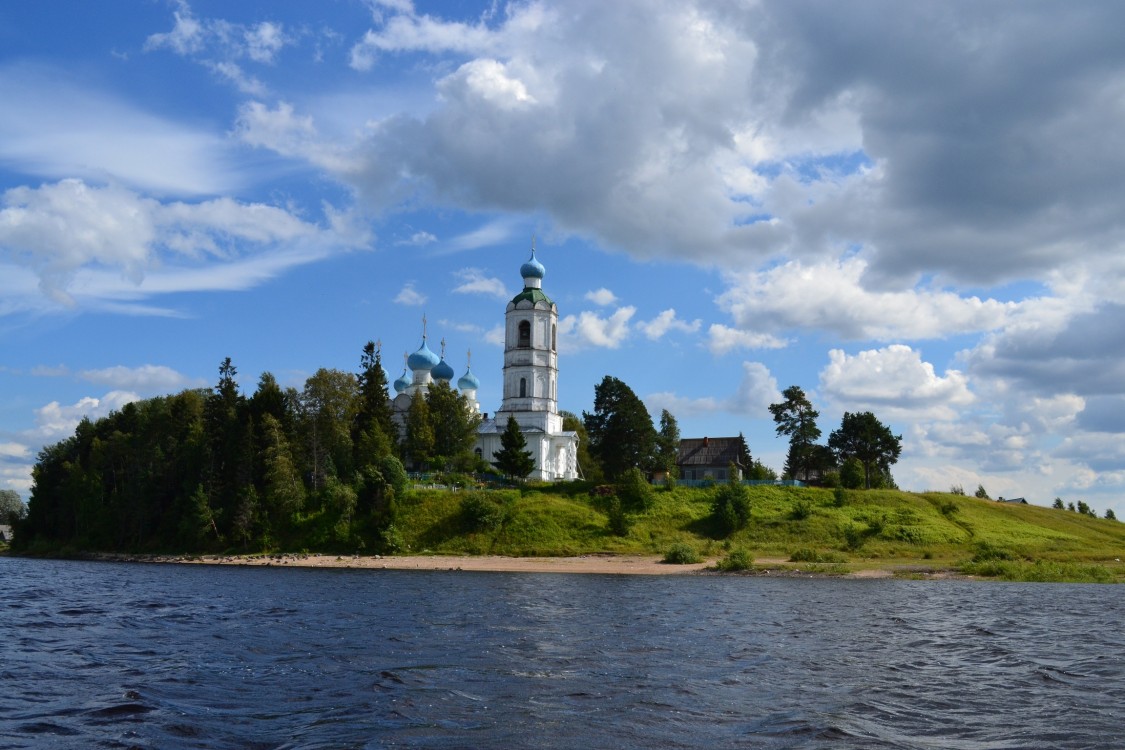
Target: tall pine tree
513	459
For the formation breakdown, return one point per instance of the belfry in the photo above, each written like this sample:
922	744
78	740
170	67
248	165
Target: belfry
530	382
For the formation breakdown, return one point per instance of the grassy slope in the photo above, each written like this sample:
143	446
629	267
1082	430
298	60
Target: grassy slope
871	529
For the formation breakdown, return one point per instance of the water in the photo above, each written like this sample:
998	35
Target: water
128	655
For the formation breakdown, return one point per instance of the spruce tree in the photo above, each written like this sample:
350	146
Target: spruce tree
513	459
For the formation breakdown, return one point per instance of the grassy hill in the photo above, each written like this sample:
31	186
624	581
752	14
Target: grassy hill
807	527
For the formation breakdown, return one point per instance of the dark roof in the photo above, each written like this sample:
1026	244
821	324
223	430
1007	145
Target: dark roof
709	451
532	295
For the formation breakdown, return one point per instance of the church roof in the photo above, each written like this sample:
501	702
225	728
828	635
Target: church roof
532	295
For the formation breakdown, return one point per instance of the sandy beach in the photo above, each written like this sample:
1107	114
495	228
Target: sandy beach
583	564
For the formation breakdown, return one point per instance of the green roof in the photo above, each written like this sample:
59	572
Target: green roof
532	295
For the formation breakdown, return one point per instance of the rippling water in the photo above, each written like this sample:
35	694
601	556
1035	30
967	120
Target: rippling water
129	655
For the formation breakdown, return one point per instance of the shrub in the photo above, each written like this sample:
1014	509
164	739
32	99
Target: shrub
986	551
634	490
948	508
480	513
681	553
806	554
854	537
731	508
852	476
839	497
738	559
619	522
801	510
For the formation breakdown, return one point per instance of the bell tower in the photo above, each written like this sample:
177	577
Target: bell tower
531	355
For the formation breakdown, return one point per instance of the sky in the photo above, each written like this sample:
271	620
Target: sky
912	209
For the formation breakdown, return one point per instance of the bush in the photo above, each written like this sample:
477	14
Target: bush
480	513
988	552
854	536
634	490
619	522
852	476
681	553
839	497
731	508
736	560
801	510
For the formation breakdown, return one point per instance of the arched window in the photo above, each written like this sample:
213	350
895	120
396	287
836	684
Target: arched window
523	387
554	337
478	452
524	340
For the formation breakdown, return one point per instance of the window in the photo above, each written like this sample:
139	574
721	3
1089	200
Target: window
523	387
524	340
478	452
554	337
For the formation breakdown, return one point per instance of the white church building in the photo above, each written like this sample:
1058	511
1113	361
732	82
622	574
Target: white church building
531	374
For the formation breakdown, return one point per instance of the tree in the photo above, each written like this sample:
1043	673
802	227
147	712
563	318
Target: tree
621	432
759	471
419	444
730	507
796	417
588	467
864	437
667	443
1110	515
283	493
11	505
513	459
982	493
1058	504
329	403
454	425
373	431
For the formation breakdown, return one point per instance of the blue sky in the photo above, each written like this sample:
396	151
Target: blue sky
912	209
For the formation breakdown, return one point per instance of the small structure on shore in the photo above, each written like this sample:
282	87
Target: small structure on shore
712	458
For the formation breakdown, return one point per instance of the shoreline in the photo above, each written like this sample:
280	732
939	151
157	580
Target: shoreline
594	564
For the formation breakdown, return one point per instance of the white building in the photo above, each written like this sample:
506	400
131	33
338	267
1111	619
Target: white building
531	376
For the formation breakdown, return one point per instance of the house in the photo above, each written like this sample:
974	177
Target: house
711	458
1011	500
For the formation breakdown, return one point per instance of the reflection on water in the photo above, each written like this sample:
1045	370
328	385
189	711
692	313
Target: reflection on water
129	655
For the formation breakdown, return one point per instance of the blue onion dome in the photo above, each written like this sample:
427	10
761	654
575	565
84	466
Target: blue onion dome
423	359
533	269
468	382
402	383
442	371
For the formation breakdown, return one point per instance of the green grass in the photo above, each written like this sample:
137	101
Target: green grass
870	529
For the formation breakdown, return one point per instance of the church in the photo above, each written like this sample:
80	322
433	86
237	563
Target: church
530	382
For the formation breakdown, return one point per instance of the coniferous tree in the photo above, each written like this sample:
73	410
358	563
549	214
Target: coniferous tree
864	437
620	428
373	433
283	493
588	467
513	459
796	417
454	426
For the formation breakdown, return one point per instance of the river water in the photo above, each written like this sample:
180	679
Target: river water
121	655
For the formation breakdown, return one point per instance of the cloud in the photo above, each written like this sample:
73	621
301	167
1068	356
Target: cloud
756	391
56	421
218	45
831	296
895	381
144	379
722	339
473	281
590	329
419	239
667	321
71	234
602	297
117	141
14	450
410	296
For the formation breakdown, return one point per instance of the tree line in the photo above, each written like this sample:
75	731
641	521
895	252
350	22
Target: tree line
211	468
